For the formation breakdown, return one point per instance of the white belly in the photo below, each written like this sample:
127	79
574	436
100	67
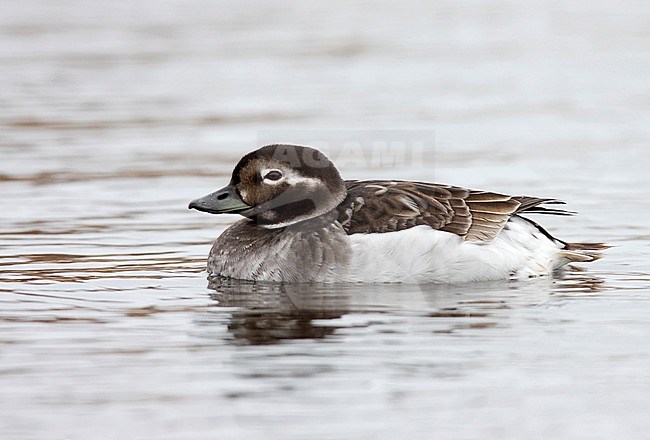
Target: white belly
422	254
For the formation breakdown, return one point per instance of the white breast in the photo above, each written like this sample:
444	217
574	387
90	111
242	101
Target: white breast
422	254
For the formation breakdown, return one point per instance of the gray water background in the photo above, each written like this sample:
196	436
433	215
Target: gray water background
113	115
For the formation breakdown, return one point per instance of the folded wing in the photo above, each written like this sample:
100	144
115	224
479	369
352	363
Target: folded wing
376	206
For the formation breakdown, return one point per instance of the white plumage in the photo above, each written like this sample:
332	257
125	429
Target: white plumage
422	254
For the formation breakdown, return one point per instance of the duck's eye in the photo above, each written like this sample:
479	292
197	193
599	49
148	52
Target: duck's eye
273	175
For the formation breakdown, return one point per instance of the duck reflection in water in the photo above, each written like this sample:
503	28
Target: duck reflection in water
265	313
268	313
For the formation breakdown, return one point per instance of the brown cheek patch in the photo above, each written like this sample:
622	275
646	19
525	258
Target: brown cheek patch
251	188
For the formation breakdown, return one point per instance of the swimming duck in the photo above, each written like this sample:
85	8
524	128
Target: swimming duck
304	223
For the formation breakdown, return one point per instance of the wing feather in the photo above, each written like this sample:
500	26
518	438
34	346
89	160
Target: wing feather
377	206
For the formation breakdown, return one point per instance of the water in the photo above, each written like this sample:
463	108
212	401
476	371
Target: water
114	116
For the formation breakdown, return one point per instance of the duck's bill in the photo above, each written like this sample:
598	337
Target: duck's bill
226	200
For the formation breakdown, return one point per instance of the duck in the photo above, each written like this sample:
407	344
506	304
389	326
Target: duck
303	223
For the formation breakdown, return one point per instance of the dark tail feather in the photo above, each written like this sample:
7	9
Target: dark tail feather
549	211
531	205
571	252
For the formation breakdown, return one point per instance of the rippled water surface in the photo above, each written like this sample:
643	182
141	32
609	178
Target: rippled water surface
115	115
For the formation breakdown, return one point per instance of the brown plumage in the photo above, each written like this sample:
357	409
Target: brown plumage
373	206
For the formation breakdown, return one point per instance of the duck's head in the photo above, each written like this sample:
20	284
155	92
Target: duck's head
278	185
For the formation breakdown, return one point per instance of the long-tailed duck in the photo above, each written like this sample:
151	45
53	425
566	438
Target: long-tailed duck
304	223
